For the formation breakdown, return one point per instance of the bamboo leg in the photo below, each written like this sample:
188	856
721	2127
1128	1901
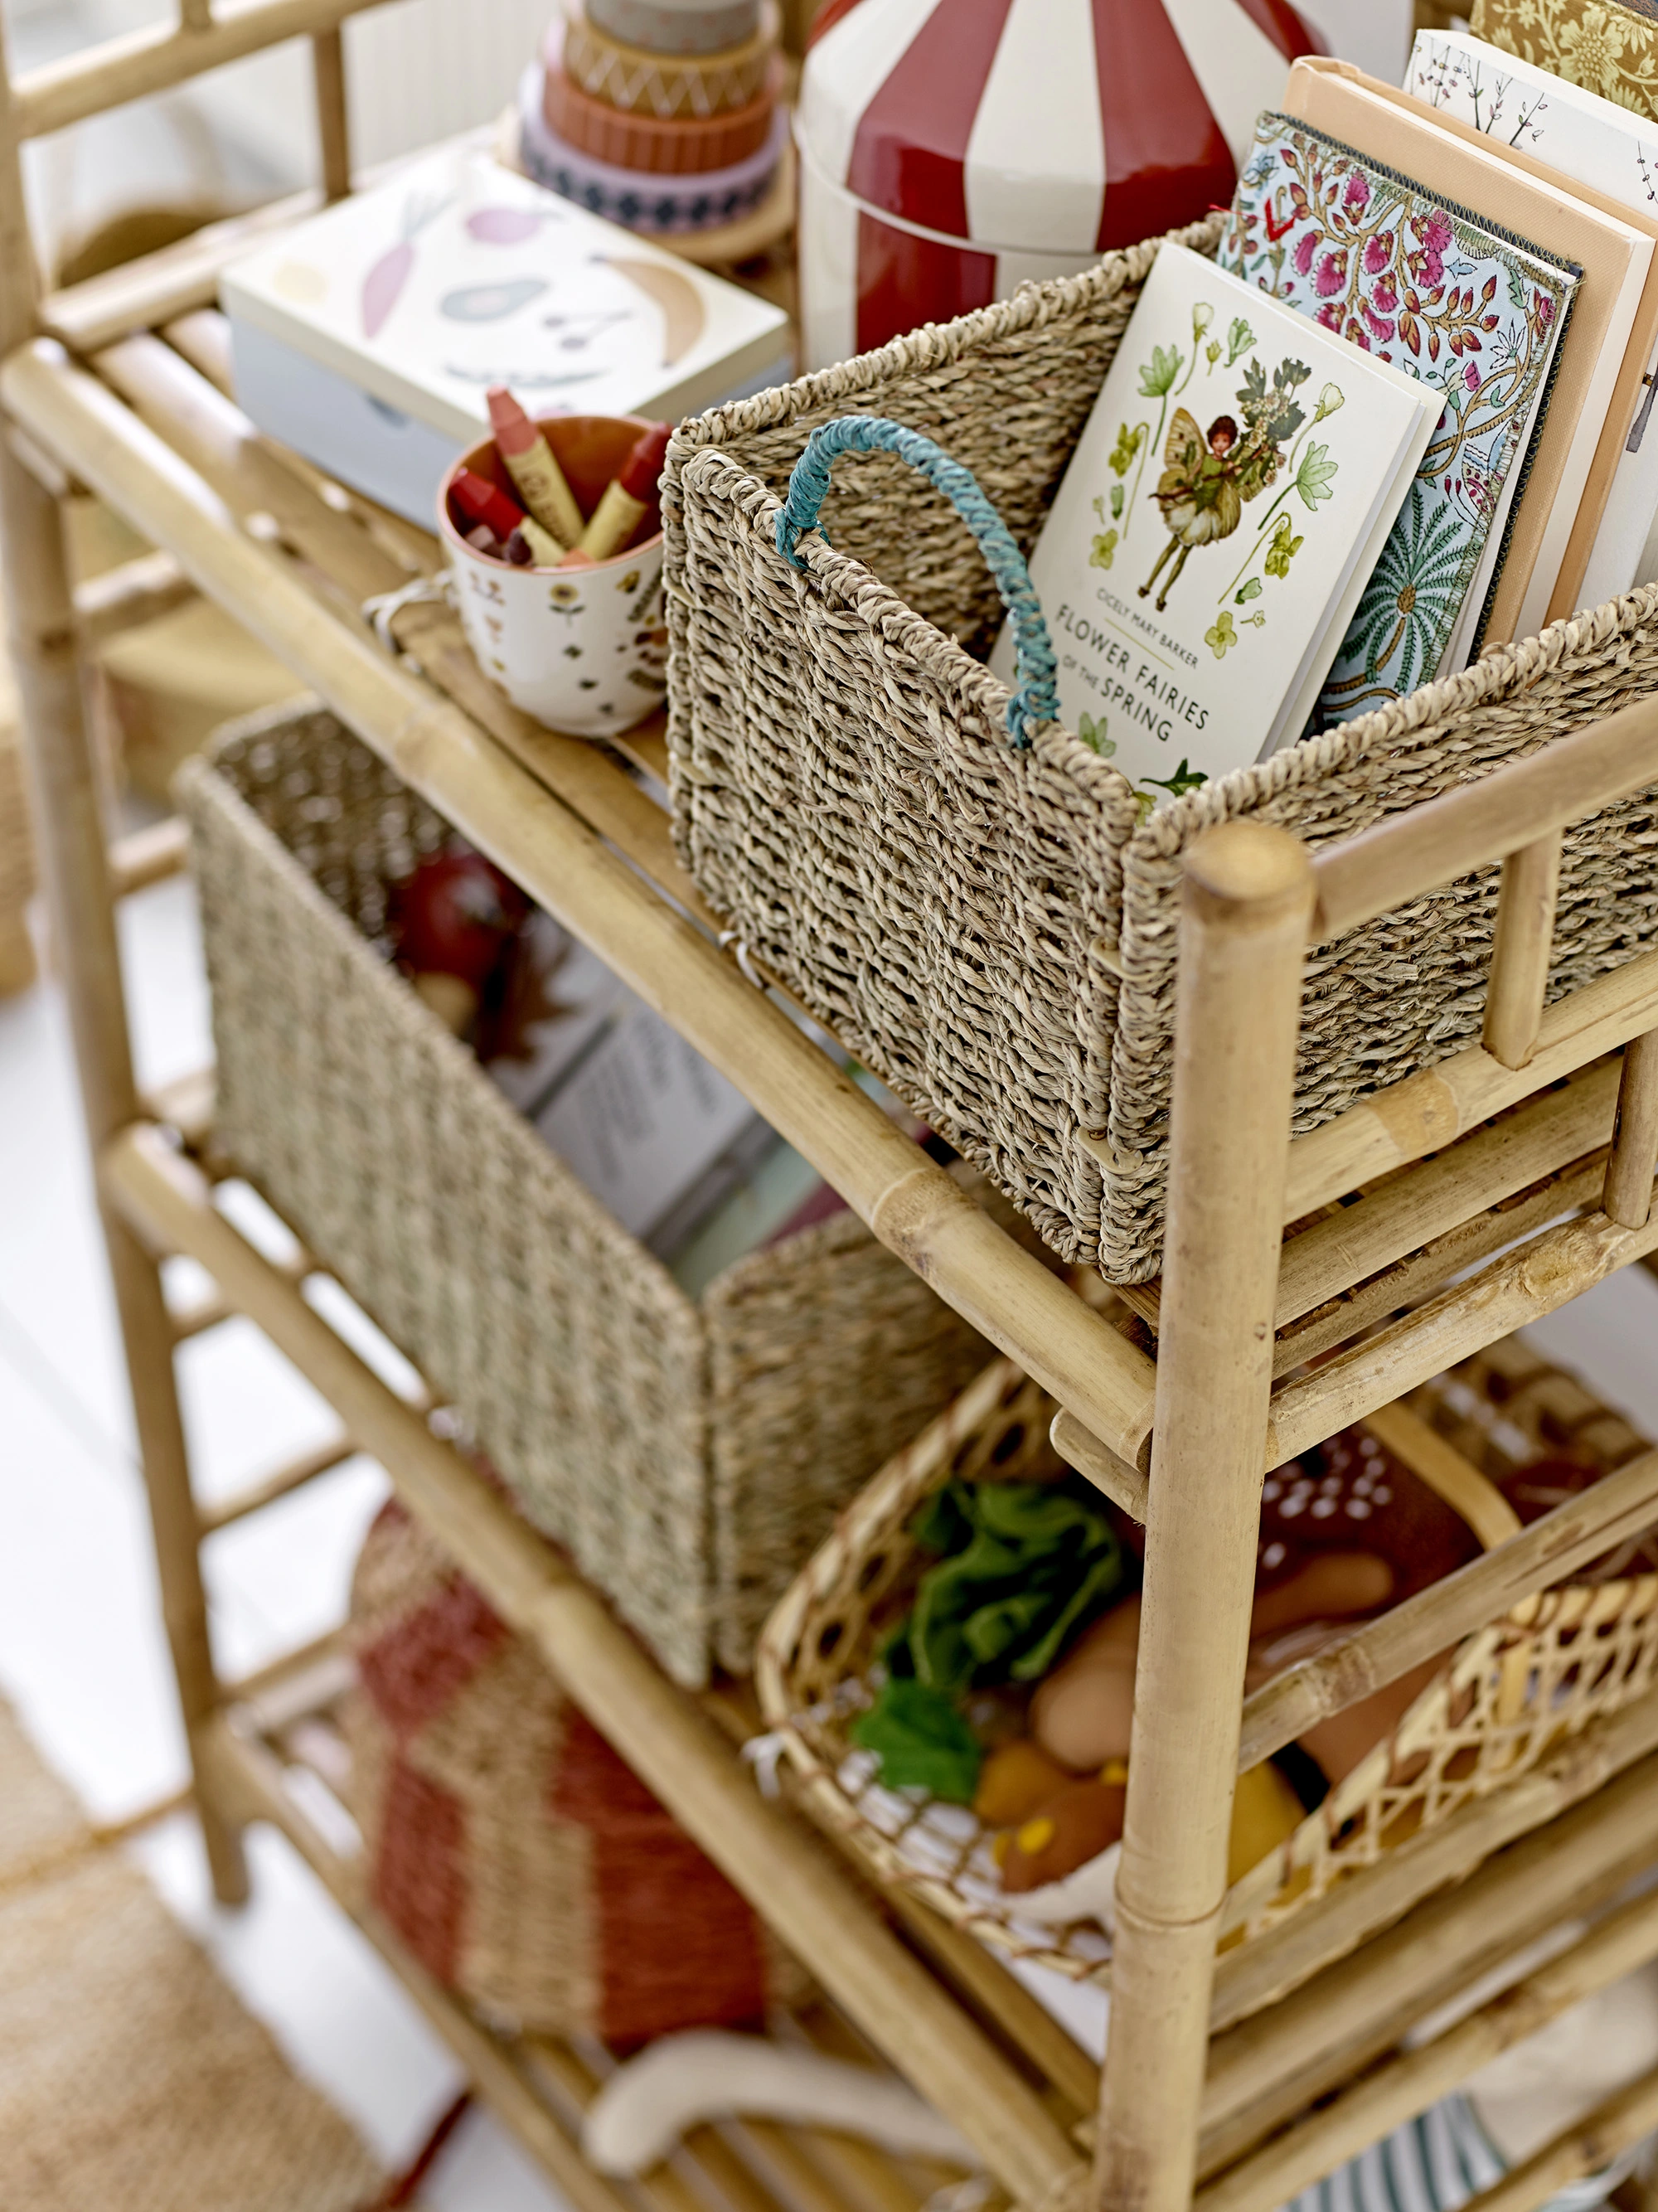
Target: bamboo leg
69	823
1520	957
1247	906
1628	1196
333	126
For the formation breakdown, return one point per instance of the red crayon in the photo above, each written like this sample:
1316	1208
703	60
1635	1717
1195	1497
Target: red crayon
480	500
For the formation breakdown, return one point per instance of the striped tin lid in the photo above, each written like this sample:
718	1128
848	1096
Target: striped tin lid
1049	125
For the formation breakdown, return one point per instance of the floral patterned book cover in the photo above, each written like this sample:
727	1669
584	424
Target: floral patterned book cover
1597	44
1230	493
1473	315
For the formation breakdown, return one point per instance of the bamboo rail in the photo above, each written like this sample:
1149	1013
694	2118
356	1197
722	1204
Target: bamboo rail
1275	2065
1615	2125
163	55
148	856
1427	1111
1621	1505
121	599
1419	849
669	1744
1274	1965
1540	1276
280	1482
1306	2152
909	1203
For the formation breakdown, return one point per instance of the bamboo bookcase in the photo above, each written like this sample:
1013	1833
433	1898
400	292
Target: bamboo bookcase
120	386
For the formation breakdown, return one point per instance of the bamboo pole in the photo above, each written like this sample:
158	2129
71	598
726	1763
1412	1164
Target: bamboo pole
674	1748
1521	951
149	856
174	281
121	599
1277	2063
333	120
280	1482
1124	1484
1247	898
70	833
909	1202
1422	847
1615	2125
1620	1506
1397	2091
1417	1276
1433	1459
1426	1111
1269	1968
1537	1277
1627	1199
163	55
1413	1209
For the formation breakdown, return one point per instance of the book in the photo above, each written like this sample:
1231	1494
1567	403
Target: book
1593	141
1477	314
1596	43
368	335
1230	494
1597	377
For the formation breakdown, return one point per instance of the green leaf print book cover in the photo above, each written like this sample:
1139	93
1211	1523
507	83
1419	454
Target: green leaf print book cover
1228	500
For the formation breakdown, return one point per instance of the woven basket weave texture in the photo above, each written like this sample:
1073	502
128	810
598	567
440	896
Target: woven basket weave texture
688	1455
994	932
522	1861
1501	1702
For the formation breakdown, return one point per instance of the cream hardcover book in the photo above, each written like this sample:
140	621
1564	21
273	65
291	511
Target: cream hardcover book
1231	493
1593	141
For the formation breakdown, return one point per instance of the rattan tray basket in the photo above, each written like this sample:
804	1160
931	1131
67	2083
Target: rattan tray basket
994	930
688	1454
1499	1702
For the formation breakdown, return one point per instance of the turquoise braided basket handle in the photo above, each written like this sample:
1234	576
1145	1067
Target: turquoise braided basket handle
1036	699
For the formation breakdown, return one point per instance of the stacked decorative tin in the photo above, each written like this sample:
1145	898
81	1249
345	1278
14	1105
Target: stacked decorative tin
660	114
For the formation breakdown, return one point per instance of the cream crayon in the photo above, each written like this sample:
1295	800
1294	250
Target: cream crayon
530	464
626	496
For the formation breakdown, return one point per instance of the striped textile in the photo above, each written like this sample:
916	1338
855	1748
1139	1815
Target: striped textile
1435	2163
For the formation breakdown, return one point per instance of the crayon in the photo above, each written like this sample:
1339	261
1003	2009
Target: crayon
619	513
480	500
482	539
530	464
541	549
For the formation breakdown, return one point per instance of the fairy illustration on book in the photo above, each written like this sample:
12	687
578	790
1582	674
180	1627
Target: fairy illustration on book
1210	478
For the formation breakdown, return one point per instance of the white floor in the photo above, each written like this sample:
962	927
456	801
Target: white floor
81	1653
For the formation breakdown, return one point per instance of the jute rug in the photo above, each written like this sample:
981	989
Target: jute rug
131	2078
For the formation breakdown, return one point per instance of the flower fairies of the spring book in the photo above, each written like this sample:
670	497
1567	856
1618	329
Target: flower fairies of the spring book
1230	496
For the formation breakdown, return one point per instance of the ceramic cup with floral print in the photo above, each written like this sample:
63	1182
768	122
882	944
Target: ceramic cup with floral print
583	650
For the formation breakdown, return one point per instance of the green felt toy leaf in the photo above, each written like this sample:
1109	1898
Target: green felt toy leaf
921	1741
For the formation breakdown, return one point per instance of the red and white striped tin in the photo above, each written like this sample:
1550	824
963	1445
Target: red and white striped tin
951	149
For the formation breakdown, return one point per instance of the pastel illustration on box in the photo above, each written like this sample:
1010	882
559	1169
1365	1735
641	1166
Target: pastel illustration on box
952	150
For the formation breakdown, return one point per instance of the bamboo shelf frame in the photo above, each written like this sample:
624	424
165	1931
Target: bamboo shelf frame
1418	1227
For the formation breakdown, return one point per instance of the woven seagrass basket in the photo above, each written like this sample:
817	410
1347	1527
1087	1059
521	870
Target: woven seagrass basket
519	1857
1499	1703
994	931
688	1454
